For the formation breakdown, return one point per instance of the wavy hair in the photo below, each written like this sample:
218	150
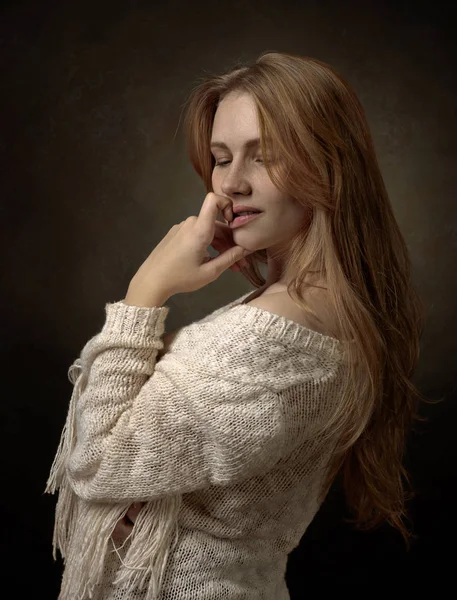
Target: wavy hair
318	149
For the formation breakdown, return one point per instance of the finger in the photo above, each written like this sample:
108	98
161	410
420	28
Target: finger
220	249
222	237
223	227
208	213
223	234
133	511
122	529
225	260
220	244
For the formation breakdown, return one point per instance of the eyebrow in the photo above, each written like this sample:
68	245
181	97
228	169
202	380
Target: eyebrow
248	144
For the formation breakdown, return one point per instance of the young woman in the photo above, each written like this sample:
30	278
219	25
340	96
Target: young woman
190	467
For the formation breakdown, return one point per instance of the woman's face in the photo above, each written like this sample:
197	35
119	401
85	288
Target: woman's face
244	179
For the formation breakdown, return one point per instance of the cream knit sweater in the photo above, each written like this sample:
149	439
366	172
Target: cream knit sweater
217	437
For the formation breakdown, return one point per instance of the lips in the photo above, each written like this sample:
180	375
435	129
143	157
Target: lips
242	220
244	208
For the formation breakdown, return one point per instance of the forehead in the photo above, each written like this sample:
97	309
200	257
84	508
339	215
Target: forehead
252	143
235	120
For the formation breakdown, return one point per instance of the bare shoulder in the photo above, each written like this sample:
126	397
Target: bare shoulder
282	304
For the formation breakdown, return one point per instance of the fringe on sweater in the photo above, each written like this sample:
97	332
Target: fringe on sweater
83	530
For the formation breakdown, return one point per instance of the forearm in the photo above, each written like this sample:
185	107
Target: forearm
137	297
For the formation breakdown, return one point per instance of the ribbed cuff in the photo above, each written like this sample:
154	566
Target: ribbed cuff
134	324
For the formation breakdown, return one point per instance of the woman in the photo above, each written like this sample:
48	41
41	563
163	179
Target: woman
195	472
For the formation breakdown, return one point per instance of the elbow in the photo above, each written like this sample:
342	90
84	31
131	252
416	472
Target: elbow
91	491
85	483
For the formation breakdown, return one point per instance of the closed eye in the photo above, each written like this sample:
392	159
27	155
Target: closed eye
226	162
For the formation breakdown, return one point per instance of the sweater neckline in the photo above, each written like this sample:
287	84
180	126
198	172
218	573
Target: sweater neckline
283	329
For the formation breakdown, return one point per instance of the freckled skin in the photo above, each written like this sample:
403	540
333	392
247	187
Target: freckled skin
245	180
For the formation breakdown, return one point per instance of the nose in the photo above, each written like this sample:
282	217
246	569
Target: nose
234	182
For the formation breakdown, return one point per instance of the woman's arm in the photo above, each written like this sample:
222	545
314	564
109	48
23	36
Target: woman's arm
140	430
229	406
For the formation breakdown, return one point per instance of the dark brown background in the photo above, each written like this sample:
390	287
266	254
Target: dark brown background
94	174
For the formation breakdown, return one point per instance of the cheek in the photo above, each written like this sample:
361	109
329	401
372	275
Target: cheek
214	180
293	216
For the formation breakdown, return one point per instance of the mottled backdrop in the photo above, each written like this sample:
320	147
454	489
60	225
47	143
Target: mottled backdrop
94	174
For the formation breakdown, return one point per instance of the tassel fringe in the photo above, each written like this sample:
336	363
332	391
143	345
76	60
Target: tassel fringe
153	530
83	530
68	437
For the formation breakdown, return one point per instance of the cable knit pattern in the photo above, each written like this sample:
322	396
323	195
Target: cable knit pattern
225	422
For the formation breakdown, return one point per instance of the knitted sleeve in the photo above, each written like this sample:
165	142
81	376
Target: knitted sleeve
147	429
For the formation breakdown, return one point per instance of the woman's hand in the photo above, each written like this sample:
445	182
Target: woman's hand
181	262
223	241
125	525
